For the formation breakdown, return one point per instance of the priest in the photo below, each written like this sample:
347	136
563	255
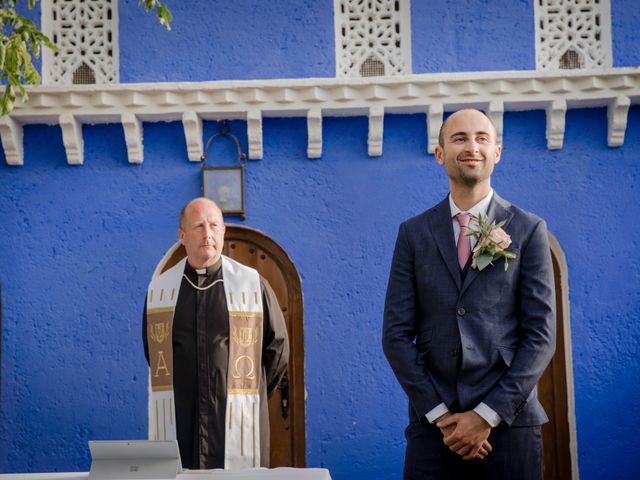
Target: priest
217	347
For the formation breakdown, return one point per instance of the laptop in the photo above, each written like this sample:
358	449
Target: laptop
134	459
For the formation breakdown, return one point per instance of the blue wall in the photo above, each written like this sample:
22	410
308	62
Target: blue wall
223	40
79	243
624	35
472	35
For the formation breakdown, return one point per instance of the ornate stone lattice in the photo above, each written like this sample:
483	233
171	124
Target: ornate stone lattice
573	34
373	38
86	31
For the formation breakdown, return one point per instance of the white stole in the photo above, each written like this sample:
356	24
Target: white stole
244	303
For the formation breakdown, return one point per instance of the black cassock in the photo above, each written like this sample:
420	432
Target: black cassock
200	359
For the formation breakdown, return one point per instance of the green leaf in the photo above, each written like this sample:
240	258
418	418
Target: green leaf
6	102
483	261
164	15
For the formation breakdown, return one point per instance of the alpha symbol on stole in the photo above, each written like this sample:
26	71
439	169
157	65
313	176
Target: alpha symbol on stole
161	364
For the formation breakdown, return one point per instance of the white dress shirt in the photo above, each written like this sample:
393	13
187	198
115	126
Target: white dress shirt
482	409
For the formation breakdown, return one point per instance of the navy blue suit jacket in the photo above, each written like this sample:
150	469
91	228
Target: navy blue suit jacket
485	339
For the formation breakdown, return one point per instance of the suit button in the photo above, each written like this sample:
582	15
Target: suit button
453	352
461	311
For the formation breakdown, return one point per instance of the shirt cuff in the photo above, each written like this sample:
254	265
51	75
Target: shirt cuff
435	413
488	413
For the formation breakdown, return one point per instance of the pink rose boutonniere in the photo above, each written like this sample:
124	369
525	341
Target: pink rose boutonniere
492	243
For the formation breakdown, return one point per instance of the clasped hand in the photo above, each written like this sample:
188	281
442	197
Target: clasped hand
466	434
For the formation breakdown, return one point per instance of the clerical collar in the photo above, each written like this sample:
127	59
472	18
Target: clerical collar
208	271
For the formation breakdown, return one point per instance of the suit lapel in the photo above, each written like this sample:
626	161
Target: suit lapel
442	230
497	211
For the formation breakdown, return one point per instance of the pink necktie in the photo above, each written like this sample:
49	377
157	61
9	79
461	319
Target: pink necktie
464	242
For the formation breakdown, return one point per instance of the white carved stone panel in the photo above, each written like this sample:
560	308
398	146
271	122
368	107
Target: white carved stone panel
373	38
86	31
573	34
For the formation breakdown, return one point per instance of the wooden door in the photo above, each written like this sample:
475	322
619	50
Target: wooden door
555	388
286	407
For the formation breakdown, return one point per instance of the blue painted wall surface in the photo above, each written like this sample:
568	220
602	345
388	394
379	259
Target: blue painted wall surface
79	244
246	39
624	33
472	35
222	40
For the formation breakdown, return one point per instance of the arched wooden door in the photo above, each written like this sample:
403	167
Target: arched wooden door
286	407
555	388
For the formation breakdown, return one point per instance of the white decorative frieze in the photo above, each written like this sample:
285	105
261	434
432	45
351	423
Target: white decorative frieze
314	133
617	119
72	138
556	114
11	134
192	124
133	137
373	38
430	94
254	134
435	114
376	130
495	111
87	34
573	34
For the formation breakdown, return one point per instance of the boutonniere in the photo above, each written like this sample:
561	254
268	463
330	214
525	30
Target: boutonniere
492	243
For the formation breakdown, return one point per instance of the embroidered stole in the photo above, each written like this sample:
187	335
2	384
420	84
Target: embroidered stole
244	303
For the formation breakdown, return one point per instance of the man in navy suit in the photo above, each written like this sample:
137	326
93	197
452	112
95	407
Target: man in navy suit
468	345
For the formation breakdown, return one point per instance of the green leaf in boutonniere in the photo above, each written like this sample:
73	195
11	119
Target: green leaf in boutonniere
491	243
482	261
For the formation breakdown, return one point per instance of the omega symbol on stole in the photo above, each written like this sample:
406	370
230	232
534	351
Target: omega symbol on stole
246	337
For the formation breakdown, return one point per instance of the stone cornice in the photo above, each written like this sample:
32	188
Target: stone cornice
314	98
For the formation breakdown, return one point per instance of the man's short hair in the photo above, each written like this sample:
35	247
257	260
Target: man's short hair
444	123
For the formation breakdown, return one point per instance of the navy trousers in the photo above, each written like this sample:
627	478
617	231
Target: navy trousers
516	455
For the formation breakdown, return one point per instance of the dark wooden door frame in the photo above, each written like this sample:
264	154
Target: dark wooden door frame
563	368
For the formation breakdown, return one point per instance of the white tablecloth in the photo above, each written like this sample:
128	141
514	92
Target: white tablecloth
283	473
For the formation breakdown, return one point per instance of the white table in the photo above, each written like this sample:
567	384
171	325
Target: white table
282	473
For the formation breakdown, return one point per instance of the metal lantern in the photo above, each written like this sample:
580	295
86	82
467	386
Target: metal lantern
225	185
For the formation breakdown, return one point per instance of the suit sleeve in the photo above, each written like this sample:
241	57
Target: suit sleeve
399	329
537	328
275	346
